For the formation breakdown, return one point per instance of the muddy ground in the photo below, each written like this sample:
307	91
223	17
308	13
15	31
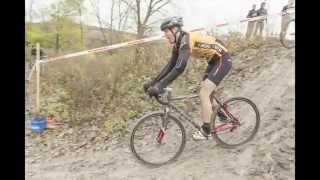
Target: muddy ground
265	75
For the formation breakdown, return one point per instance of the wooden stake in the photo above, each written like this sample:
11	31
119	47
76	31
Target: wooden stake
38	79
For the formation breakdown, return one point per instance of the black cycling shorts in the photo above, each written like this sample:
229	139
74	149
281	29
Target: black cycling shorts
218	68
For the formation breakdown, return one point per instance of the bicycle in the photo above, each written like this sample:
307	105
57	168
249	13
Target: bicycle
287	35
288	38
168	127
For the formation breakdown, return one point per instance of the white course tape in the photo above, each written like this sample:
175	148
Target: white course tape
139	41
30	73
110	47
105	48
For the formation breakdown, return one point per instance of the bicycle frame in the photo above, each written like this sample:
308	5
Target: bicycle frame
168	107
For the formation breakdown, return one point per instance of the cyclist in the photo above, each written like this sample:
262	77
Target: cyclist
186	44
287	16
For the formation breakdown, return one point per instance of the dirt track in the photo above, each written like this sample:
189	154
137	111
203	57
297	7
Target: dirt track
266	76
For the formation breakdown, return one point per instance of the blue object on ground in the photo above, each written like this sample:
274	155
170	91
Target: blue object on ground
38	124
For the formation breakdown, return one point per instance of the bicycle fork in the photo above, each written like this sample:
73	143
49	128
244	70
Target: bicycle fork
164	124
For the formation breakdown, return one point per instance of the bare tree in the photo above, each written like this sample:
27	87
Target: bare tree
78	6
30	15
143	11
59	14
43	15
30	10
123	15
111	21
96	6
142	21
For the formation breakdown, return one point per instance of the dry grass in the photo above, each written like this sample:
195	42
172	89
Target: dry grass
108	88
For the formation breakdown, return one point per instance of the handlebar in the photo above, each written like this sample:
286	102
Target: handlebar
166	93
160	101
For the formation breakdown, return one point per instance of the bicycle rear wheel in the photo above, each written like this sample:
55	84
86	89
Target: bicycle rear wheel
242	122
288	38
157	140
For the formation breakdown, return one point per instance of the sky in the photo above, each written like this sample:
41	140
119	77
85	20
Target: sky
196	14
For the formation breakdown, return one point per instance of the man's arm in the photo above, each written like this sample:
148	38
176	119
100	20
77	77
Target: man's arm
249	14
184	54
168	67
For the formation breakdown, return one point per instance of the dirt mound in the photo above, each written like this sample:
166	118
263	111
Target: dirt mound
265	75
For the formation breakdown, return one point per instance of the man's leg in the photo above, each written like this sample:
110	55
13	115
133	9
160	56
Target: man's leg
261	29
207	87
256	28
249	29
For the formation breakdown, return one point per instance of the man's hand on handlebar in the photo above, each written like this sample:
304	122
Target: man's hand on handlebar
147	85
156	90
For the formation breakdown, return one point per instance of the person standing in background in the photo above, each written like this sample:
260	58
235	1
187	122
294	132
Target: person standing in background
251	24
260	23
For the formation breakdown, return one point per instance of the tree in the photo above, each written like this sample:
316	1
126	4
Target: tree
116	21
150	7
77	5
111	21
96	9
123	15
143	12
61	15
30	10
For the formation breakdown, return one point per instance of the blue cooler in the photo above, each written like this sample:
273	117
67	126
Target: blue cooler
38	125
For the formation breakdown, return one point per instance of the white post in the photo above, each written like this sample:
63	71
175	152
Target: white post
38	79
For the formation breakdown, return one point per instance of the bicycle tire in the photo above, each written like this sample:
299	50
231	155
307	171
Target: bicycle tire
148	117
254	132
282	38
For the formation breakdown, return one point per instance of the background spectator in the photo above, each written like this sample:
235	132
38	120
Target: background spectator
260	23
251	24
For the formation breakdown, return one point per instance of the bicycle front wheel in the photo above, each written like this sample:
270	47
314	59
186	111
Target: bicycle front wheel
241	122
157	140
288	38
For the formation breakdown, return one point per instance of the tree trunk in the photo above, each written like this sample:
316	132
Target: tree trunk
57	43
81	28
30	11
111	23
138	50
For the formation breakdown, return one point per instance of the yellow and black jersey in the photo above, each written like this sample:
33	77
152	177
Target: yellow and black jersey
205	47
195	45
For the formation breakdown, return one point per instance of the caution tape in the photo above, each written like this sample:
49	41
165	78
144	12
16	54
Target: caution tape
101	49
30	73
105	48
138	41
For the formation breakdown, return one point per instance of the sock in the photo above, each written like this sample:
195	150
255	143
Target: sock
206	128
